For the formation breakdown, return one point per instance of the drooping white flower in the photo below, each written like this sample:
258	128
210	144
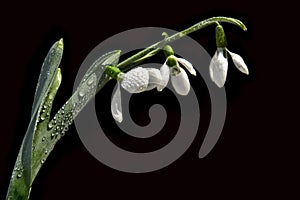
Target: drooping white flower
134	81
179	78
143	79
218	66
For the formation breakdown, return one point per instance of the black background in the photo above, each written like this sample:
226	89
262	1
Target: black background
256	154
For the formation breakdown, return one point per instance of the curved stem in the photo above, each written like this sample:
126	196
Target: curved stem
155	48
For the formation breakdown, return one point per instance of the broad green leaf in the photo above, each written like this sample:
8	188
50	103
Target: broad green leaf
49	66
20	183
43	133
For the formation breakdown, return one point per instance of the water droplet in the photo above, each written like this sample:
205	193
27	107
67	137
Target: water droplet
50	125
46	151
54	117
45	106
43	139
66	129
52	135
42	161
91	80
43	117
19	175
81	93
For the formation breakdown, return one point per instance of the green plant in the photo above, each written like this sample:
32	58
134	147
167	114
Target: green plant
44	132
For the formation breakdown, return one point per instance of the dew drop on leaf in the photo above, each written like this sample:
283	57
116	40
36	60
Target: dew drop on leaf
50	125
43	117
91	80
81	93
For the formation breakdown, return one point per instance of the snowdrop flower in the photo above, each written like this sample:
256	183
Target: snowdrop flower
218	68
134	81
219	65
179	78
143	79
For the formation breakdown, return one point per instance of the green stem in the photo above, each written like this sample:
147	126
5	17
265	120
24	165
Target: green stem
155	48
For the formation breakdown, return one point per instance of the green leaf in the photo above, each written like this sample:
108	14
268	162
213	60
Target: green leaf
39	149
20	184
49	66
42	133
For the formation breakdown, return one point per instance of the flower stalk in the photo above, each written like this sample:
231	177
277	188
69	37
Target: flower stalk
155	48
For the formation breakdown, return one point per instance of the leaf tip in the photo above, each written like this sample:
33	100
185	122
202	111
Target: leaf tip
61	43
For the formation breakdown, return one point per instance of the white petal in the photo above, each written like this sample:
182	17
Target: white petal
211	65
136	80
239	62
165	76
181	82
218	68
187	65
154	78
116	105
